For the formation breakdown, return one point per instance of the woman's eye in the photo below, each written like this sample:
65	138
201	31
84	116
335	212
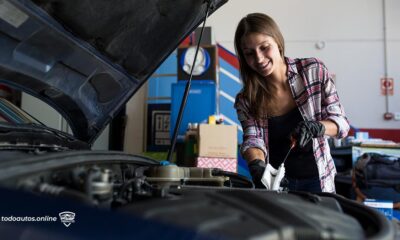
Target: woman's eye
264	48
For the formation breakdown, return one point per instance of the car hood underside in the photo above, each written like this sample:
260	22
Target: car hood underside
86	58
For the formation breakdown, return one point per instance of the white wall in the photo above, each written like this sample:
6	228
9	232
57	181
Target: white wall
354	50
135	141
51	118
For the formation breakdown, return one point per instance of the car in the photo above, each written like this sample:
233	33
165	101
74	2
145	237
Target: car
86	59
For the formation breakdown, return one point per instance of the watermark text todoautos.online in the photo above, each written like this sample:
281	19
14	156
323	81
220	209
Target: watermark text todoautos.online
66	218
29	219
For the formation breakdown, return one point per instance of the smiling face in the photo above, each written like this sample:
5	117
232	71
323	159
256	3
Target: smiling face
261	53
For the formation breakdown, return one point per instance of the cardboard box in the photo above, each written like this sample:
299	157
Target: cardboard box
217	141
226	164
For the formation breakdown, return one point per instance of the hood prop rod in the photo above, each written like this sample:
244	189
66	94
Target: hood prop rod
187	88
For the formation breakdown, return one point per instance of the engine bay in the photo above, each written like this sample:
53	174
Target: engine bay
207	200
112	183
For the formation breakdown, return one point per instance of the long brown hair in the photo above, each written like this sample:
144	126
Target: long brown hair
256	90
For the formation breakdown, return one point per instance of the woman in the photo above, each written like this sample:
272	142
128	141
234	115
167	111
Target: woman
283	98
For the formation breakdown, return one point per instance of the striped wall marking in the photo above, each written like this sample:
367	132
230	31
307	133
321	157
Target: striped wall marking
231	122
230	75
227	96
228	56
228	67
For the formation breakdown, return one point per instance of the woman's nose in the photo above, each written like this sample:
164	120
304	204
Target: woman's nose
259	56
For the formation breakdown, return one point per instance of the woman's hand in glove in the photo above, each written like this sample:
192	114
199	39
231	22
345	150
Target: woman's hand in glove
256	169
307	130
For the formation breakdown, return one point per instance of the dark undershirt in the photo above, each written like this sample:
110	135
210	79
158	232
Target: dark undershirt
301	162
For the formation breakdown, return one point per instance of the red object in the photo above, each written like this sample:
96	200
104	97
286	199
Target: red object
226	164
387	86
388	116
5	91
385	134
228	56
188	41
185	42
5	88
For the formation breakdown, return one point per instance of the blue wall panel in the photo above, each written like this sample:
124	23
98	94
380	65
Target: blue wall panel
162	80
169	66
200	104
160	87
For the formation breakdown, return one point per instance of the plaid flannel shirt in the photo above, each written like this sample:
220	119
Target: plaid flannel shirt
315	95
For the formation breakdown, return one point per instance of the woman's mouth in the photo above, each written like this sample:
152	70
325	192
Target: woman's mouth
264	66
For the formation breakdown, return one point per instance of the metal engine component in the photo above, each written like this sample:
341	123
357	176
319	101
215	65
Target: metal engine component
174	175
99	184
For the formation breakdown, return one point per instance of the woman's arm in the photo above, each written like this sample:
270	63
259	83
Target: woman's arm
253	145
333	115
331	129
252	154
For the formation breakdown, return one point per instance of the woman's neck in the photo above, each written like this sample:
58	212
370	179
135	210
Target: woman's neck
279	77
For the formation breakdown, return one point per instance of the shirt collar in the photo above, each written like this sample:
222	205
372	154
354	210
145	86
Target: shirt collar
291	63
291	69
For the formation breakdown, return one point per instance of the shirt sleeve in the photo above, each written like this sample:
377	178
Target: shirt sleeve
332	109
253	132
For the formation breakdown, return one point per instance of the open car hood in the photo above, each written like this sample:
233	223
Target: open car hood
86	58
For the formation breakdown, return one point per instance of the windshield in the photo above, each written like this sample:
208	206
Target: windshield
9	113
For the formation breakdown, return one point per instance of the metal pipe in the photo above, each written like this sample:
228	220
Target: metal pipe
385	53
187	87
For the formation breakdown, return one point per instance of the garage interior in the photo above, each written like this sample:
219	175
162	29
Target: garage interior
358	40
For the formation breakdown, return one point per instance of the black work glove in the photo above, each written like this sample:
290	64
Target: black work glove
256	168
307	130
